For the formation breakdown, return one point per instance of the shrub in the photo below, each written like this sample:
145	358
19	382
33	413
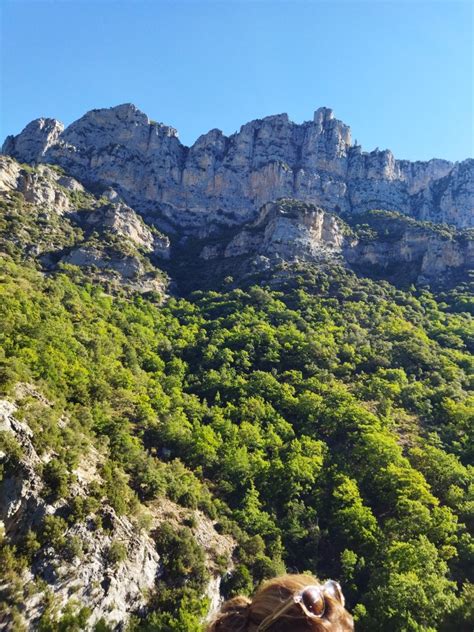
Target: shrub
56	478
53	532
117	553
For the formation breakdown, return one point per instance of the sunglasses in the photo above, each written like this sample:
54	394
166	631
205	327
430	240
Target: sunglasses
312	601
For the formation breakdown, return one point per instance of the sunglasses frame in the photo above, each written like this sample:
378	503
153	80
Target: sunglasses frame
331	588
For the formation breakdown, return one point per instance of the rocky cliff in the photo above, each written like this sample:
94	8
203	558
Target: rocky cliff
221	181
381	244
387	245
98	559
287	230
52	218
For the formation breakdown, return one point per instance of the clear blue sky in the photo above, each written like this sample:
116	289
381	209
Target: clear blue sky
399	73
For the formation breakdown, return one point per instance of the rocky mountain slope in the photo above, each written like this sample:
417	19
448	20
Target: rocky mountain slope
222	181
52	218
162	448
84	553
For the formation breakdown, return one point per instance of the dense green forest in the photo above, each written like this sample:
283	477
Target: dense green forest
325	424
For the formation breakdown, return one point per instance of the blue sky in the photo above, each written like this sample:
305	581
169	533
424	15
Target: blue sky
399	73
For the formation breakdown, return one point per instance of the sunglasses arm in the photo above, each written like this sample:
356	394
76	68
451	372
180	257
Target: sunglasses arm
266	623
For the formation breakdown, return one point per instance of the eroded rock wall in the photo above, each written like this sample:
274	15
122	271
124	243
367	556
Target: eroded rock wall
225	180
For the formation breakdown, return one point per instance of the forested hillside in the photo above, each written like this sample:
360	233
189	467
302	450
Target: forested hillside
326	425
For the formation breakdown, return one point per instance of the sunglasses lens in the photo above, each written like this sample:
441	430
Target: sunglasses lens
313	599
333	589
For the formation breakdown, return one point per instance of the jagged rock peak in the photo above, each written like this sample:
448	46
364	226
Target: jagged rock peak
323	115
34	141
124	115
128	115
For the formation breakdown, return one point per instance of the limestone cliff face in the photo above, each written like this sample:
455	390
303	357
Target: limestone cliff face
438	202
287	230
60	221
225	180
392	247
418	255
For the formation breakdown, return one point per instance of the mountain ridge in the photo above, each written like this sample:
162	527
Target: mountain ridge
224	180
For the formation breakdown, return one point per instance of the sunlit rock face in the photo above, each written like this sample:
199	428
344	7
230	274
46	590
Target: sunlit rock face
43	186
400	249
419	254
289	231
225	180
34	141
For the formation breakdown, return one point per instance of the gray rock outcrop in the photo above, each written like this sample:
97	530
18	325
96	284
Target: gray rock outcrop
286	230
112	589
121	220
87	256
223	180
399	248
43	186
35	139
417	254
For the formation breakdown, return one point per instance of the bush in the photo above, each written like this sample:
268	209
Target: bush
30	545
238	582
56	479
73	547
13	453
183	559
53	532
117	553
